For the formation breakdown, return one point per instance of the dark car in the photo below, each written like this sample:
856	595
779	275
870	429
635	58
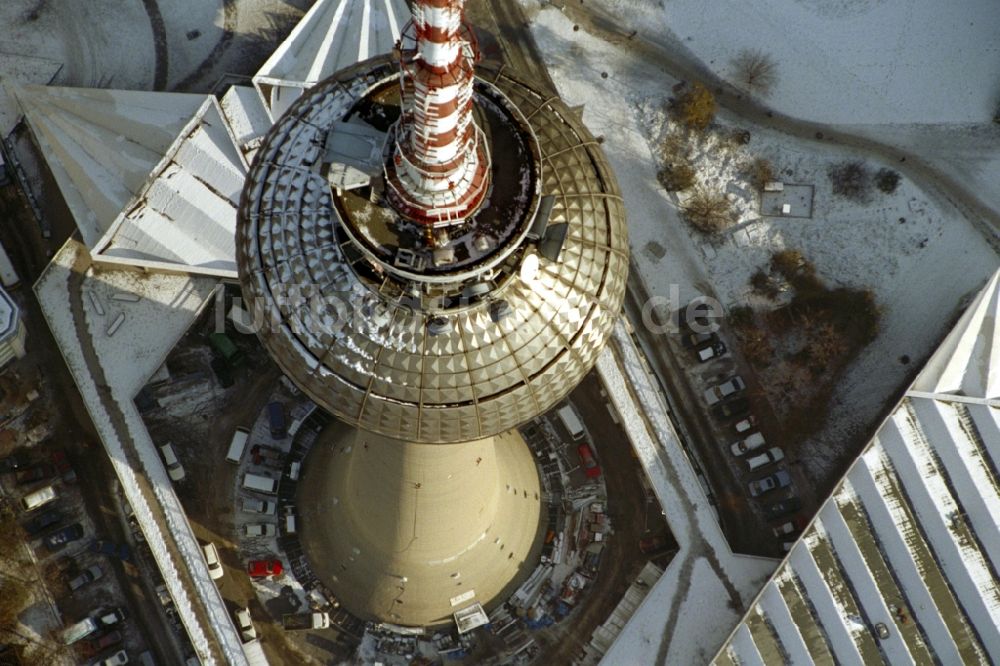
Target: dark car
276	420
42	522
13	462
733	408
691	339
35	473
782	508
102	642
110	548
58	540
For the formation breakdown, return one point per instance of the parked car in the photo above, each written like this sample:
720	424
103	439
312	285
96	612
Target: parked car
88	575
782	508
753	441
780	479
68	534
697	313
772	455
710	350
259	529
119	658
43	521
264	568
13	462
174	469
276	420
745	425
790	527
254	505
102	642
692	339
590	466
732	408
212	559
34	474
244	624
109	617
110	549
727	388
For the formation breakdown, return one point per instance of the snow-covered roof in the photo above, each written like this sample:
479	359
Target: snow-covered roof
101	145
185	216
333	34
901	562
247	117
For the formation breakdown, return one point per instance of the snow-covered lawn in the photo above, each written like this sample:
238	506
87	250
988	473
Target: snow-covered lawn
919	269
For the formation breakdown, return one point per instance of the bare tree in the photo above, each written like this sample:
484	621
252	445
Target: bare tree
708	212
757	71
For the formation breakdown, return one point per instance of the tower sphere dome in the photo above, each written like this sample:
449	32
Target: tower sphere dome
432	334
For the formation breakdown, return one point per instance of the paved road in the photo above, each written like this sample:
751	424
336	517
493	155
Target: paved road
679	63
505	20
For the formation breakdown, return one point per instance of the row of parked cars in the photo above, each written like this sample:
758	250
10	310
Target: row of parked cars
728	404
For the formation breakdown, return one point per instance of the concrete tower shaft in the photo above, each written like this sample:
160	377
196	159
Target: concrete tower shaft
439	173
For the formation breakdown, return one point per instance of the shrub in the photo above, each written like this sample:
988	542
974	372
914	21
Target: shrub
695	107
708	212
850	180
676	178
887	180
760	172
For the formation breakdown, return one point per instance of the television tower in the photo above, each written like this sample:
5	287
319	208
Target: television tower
437	253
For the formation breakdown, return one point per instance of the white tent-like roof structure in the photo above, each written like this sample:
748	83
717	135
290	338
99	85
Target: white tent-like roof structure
333	34
101	145
185	216
900	565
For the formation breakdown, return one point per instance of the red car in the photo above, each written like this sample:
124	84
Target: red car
264	568
590	466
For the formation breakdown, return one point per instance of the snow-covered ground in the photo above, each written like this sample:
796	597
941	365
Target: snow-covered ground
912	267
901	61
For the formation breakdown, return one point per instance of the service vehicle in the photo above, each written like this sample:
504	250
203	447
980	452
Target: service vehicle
260	483
772	455
68	534
174	469
276	420
571	421
79	630
753	441
244	624
212	560
264	568
255	505
782	508
590	467
237	445
298	621
88	575
38	499
780	479
727	388
259	529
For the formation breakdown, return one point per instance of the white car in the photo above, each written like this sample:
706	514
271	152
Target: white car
254	505
259	529
174	469
244	624
754	441
772	455
727	388
117	659
212	559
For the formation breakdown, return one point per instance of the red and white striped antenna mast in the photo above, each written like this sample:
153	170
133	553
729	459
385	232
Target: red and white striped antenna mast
438	171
